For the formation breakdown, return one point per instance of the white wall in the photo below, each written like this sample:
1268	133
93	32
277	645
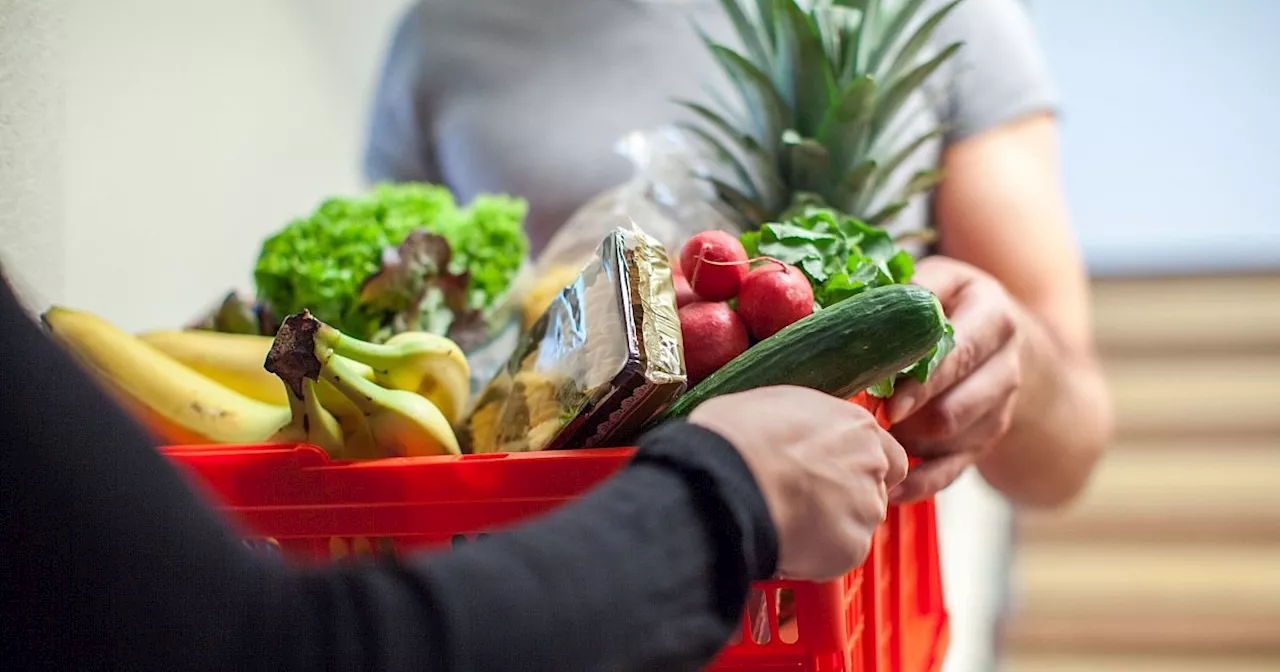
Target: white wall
30	154
1171	134
195	128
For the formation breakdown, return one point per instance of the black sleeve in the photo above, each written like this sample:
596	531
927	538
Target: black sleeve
110	561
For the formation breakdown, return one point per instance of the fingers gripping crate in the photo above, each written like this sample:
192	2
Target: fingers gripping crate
291	500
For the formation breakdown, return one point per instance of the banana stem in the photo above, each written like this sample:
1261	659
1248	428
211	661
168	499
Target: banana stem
380	357
298	405
311	420
339	373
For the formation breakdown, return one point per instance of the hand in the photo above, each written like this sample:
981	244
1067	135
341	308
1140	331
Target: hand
824	466
967	406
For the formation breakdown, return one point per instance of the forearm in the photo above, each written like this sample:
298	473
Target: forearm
1061	424
650	572
632	577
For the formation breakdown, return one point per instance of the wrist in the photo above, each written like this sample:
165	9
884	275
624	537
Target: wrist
1061	423
725	489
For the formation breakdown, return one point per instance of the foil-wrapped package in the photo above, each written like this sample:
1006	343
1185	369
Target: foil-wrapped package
600	362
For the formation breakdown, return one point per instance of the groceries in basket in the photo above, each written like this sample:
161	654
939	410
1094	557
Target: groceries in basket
402	257
599	363
310	384
667	196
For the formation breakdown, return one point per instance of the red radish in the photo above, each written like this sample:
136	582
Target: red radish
772	297
713	334
684	293
715	263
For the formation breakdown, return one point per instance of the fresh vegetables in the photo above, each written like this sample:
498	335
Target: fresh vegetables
684	292
715	264
403	257
713	335
774	296
840	350
714	332
839	254
809	158
843	257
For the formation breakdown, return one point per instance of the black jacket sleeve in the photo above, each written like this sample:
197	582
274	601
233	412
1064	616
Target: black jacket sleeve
111	562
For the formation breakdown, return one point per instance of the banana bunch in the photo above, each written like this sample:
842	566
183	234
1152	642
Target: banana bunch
310	384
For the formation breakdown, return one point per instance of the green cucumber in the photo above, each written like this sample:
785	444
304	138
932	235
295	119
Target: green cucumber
840	350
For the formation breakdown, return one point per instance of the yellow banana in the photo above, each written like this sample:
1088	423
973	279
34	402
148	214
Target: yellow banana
311	423
430	365
238	361
179	404
235	360
397	422
401	423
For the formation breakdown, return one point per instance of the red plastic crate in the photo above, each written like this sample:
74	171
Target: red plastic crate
886	616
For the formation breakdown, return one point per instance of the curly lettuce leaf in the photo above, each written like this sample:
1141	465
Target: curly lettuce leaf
423	291
322	262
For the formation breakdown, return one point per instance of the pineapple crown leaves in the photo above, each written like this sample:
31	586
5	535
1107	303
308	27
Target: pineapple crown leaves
823	94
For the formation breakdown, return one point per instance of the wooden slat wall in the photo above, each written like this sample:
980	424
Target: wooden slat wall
1171	560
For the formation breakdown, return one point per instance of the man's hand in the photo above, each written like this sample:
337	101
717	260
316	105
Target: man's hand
824	465
968	404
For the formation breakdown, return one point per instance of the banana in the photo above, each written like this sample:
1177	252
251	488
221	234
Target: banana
401	423
311	423
179	404
237	361
414	361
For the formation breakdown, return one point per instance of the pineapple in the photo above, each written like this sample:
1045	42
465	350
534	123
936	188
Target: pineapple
823	92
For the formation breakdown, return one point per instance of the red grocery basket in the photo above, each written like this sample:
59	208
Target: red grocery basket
885	616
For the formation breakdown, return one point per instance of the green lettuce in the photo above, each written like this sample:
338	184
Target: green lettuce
349	264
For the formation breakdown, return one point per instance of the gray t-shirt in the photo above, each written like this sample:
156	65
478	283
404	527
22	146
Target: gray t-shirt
528	97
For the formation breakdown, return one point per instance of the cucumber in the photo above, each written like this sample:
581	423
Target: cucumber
840	350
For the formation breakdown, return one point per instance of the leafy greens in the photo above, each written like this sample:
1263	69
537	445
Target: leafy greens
843	256
402	257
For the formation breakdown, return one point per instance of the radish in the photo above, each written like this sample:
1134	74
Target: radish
772	297
684	293
713	335
715	263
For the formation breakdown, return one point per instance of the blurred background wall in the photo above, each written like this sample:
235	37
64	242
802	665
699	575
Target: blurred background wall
1169	133
192	129
1171	561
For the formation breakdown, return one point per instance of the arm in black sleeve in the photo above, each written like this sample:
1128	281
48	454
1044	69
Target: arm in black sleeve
112	562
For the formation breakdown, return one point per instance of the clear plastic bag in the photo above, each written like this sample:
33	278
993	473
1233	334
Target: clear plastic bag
666	198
